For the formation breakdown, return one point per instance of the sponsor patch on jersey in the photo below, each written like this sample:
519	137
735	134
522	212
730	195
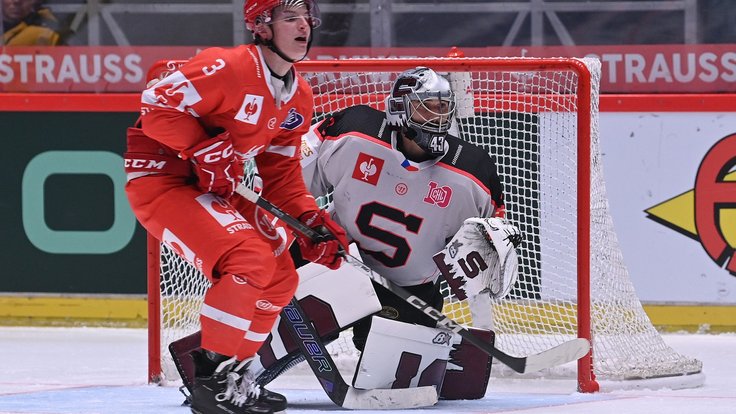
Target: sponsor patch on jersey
180	248
224	213
306	152
265	225
250	110
401	189
438	195
368	168
273	230
174	91
293	120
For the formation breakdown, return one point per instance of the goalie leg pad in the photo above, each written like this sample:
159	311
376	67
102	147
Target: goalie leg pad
321	294
402	355
181	352
468	370
394	307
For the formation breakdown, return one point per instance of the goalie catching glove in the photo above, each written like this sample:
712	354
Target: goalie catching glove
330	249
481	258
214	162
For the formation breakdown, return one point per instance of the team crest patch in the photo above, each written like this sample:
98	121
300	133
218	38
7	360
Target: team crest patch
438	195
175	91
250	110
368	168
293	120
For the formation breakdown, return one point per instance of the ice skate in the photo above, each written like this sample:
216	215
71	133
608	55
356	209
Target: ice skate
219	388
264	397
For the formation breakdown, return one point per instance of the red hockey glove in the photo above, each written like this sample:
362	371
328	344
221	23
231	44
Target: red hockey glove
333	245
217	169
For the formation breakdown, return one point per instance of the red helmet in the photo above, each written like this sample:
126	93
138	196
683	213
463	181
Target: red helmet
259	11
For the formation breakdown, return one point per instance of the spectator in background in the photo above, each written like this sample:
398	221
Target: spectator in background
28	23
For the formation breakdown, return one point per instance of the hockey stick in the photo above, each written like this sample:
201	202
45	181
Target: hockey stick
342	394
566	352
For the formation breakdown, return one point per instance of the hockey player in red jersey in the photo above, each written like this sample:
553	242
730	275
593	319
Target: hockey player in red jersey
198	127
402	186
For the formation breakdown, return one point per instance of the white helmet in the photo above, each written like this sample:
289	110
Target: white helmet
422	103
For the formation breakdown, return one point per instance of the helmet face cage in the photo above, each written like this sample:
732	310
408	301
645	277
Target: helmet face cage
422	102
430	111
262	12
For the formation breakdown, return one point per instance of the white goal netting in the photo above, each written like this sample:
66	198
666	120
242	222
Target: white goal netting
538	119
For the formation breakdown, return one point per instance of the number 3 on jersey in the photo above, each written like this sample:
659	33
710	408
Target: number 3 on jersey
410	222
209	70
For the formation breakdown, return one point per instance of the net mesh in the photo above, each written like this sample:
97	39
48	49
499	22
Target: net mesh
527	120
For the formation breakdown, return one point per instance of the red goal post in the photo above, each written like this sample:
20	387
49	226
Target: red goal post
538	117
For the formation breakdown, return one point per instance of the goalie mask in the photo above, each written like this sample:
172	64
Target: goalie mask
259	12
423	106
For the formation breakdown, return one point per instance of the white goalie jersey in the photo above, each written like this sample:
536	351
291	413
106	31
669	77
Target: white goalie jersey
398	212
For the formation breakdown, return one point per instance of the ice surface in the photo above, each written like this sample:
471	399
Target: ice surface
102	370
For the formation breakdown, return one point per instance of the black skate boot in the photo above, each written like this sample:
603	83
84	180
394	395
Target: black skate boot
218	387
248	386
276	401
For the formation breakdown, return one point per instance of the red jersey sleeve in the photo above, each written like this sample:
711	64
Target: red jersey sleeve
171	109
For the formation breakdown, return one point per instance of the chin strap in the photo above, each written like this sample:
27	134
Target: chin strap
272	46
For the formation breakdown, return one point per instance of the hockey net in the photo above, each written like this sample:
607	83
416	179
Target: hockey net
539	119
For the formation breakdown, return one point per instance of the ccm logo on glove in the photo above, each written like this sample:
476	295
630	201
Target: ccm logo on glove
217	169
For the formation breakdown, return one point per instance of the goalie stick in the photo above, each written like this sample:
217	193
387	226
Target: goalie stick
342	394
566	352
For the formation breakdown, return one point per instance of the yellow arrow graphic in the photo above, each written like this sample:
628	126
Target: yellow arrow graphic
678	213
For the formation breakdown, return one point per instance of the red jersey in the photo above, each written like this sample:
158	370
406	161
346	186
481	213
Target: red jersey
233	89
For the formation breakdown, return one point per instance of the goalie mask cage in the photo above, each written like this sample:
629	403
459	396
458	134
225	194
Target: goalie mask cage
538	118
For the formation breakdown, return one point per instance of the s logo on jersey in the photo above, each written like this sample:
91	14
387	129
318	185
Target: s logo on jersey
293	120
250	110
368	168
440	196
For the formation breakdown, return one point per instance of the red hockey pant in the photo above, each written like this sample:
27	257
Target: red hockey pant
235	245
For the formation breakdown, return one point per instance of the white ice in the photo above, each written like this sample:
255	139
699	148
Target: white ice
103	370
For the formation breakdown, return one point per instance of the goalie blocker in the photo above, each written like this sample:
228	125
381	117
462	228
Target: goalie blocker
397	355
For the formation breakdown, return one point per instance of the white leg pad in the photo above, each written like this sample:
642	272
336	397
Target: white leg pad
349	292
332	299
402	355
